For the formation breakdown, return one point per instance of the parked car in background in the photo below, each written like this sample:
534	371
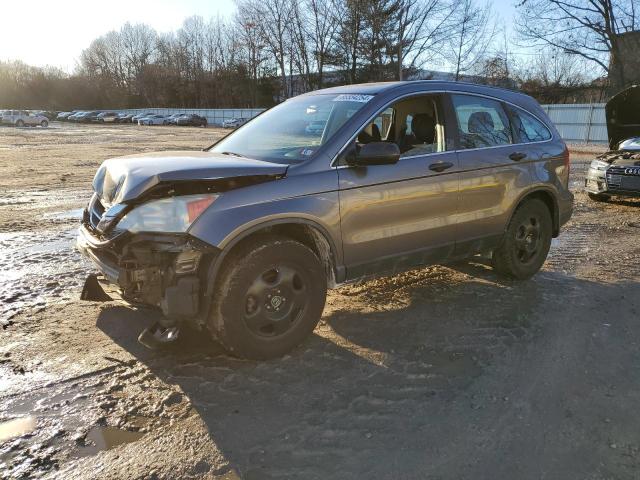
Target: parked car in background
50	114
22	118
191	119
234	122
75	116
89	117
124	118
173	119
62	116
107	117
138	116
154	119
617	172
245	237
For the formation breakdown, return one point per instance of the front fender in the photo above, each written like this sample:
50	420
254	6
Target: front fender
223	228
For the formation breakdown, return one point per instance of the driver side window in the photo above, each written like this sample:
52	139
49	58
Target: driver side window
415	125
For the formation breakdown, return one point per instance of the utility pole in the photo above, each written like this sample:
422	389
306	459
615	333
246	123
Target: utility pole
400	39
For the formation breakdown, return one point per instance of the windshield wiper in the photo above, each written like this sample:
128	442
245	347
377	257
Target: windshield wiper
233	154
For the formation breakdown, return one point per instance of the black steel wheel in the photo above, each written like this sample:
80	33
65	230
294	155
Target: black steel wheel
275	301
270	296
526	242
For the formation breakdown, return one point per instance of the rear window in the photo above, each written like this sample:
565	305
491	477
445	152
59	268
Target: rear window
482	122
527	128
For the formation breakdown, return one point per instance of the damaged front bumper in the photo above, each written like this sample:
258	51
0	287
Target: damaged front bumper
596	181
165	271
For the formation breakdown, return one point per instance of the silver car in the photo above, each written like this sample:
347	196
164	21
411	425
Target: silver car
22	118
617	172
154	119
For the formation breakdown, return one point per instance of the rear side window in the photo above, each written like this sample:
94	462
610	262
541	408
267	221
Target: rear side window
482	122
527	128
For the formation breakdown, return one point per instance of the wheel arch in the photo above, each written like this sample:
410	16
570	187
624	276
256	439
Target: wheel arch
306	231
550	200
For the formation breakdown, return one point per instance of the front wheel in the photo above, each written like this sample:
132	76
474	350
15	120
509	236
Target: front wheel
44	124
526	242
19	123
270	296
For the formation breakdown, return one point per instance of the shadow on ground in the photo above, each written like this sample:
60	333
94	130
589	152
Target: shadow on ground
427	389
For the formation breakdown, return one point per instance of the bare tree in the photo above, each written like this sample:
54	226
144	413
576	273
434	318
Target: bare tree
472	34
275	18
590	29
323	32
423	27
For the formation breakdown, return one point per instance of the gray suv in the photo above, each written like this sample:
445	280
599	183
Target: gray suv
245	237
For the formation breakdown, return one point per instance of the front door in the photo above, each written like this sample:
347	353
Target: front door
397	216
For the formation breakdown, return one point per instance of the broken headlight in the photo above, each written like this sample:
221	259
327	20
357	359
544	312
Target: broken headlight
171	215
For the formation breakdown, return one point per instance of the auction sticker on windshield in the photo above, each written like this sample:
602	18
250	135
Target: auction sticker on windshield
353	97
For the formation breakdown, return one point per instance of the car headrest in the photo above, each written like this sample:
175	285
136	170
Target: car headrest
423	127
480	122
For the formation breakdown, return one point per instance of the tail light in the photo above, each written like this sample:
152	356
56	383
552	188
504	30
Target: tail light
567	163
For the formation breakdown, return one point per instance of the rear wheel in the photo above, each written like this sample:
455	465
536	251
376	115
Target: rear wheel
270	296
19	123
526	242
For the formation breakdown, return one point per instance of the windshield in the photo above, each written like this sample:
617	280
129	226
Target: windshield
283	134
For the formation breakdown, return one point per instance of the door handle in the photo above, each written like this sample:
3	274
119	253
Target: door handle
440	166
517	156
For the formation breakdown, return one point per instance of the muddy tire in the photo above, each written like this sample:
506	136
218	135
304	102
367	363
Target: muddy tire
526	242
270	296
598	197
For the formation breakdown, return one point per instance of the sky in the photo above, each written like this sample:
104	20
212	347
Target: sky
50	32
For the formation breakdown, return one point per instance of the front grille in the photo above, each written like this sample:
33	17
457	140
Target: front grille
96	210
614	181
623	178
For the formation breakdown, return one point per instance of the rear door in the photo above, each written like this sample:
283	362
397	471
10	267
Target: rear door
397	216
492	170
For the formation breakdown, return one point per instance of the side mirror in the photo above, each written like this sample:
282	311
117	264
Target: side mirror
375	153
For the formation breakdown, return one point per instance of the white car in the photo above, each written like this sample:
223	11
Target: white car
137	117
21	118
234	122
153	120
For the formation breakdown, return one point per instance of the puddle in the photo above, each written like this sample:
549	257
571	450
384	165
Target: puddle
38	268
75	214
106	438
16	428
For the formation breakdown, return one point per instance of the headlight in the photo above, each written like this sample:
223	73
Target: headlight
171	215
599	165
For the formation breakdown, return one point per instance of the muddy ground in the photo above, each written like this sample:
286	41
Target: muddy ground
440	373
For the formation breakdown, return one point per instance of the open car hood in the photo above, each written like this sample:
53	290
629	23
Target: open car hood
123	179
623	116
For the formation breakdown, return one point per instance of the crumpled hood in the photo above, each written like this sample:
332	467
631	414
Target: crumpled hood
623	116
122	179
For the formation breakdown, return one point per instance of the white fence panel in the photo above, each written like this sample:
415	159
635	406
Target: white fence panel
577	123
